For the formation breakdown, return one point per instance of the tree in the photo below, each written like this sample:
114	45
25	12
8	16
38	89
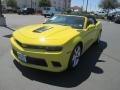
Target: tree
109	5
12	3
44	3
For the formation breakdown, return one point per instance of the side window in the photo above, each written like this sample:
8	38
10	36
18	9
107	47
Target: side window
90	22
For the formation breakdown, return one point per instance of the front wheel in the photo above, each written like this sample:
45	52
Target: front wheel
98	39
52	15
75	57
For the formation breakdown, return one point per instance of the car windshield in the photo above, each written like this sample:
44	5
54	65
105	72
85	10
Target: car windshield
73	21
24	9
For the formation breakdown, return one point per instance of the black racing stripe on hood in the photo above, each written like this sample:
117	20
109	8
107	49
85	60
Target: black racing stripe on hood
42	29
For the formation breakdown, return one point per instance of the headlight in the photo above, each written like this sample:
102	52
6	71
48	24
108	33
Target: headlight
51	48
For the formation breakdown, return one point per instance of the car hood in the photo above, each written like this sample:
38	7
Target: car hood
45	34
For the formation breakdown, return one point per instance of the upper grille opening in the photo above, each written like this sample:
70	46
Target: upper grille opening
29	46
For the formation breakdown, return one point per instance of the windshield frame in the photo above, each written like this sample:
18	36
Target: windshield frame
67	24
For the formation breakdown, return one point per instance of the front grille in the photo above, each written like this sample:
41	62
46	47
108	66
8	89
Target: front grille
35	61
29	46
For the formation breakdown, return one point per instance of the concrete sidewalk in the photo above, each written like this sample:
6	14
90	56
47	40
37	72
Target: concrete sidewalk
4	31
2	21
17	21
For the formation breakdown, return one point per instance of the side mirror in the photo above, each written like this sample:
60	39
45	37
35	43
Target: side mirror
90	26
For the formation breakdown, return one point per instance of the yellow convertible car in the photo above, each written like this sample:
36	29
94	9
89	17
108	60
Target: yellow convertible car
57	44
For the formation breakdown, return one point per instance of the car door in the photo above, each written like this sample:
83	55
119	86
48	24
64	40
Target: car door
89	34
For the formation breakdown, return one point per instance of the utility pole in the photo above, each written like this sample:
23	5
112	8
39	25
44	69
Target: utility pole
90	4
87	6
65	5
83	6
2	18
0	8
31	3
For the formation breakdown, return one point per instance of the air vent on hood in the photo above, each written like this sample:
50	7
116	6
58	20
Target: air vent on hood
39	30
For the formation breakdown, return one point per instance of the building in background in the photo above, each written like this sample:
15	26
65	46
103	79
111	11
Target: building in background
4	5
76	9
28	4
60	5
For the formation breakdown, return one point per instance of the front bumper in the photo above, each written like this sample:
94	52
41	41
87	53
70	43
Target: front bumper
49	61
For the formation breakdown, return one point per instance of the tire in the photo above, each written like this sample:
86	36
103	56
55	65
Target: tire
75	57
98	39
115	20
45	16
52	15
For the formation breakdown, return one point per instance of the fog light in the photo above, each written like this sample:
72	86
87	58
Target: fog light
56	64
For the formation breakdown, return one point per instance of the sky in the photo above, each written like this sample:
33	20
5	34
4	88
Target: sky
93	4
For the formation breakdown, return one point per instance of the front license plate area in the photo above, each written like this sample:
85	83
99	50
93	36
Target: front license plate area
21	57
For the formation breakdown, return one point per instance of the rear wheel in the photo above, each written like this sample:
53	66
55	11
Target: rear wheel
52	15
45	16
98	39
115	20
75	57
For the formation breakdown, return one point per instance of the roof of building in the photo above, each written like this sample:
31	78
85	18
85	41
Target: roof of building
76	8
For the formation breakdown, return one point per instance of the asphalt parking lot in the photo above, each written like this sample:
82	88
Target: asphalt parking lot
100	68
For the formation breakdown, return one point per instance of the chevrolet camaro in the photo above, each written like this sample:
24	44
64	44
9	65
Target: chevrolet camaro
57	44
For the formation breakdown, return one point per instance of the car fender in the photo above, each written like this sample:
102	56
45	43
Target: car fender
75	41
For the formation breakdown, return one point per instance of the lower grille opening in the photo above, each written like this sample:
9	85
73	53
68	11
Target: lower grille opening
35	61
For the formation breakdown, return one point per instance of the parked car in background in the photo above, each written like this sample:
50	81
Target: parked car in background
112	16
48	11
10	10
101	13
26	11
92	13
117	18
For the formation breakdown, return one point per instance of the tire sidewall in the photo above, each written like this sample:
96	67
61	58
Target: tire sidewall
98	38
70	65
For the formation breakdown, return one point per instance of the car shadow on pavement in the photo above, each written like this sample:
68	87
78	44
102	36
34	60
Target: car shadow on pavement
8	36
72	78
9	28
